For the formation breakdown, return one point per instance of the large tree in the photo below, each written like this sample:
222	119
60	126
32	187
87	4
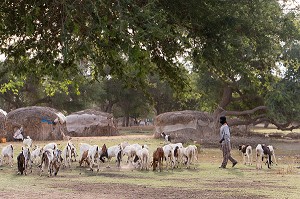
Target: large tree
234	45
127	39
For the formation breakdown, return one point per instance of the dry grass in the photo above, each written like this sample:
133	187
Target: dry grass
205	181
270	129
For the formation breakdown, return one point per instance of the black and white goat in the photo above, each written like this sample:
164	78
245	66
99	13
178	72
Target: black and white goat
246	152
166	137
272	153
262	151
24	161
51	160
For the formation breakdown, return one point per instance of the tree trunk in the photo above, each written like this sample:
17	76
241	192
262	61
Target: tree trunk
226	99
266	124
125	122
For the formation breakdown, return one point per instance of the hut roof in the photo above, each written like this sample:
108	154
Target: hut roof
90	122
2	121
34	111
38	122
93	112
182	117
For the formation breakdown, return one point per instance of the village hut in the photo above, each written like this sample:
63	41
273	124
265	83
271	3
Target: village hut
2	123
184	126
40	123
91	122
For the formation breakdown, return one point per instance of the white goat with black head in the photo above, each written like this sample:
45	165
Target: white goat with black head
66	155
246	152
166	137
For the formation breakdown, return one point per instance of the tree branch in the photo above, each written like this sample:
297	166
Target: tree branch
244	113
261	119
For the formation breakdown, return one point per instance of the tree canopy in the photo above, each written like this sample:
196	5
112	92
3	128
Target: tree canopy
222	56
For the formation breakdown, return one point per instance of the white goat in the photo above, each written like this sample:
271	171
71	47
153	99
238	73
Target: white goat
131	151
168	155
27	142
73	151
66	155
272	153
124	144
36	155
190	153
8	153
94	153
177	153
115	151
142	157
52	146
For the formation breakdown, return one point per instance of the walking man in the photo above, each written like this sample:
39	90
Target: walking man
225	141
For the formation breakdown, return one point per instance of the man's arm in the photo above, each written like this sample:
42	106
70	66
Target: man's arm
222	132
221	140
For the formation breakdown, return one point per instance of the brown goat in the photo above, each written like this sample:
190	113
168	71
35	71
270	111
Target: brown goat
84	158
103	153
158	157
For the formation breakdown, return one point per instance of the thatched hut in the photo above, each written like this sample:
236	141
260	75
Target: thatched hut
2	123
40	123
91	123
184	126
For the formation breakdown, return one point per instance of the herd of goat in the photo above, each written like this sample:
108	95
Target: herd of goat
51	158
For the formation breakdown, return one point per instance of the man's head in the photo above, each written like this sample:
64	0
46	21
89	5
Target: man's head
223	120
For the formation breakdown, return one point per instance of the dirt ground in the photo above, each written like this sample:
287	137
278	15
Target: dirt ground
119	191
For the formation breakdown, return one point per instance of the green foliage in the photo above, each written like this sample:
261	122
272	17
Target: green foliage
13	85
127	39
283	100
51	87
124	45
